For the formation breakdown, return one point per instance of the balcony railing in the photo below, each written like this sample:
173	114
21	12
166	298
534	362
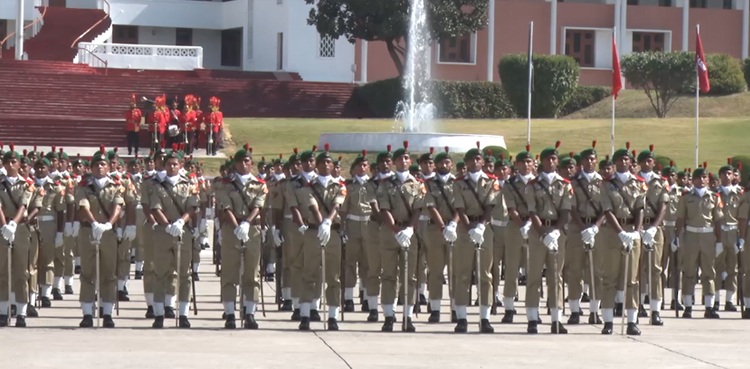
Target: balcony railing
133	56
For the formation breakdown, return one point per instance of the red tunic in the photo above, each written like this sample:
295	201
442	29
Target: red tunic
216	119
133	120
188	120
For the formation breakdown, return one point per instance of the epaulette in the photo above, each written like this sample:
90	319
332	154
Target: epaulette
639	178
491	176
342	182
565	180
663	178
420	180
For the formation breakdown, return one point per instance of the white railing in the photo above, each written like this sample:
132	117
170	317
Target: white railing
98	40
130	56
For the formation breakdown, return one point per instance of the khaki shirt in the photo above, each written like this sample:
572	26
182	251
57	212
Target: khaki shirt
657	194
699	211
675	193
548	200
731	202
276	194
485	193
744	210
588	196
623	199
90	196
401	199
49	197
513	191
241	199
359	198
500	211
311	193
131	192
19	194
136	182
441	196
163	197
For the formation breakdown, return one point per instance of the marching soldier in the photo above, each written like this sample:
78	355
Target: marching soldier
275	202
699	215
670	220
215	125
743	214
135	177
549	199
99	201
622	202
150	180
726	256
293	239
239	203
15	196
426	163
315	204
500	220
652	237
173	202
400	197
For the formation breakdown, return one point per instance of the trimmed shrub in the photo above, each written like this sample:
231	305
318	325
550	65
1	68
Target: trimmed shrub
726	75
664	77
555	79
746	70
583	97
380	97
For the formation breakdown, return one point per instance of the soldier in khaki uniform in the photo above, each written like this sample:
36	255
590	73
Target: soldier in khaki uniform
173	202
622	201
315	203
72	227
135	232
500	230
126	230
293	239
549	198
63	255
239	204
150	180
699	214
357	210
652	236
100	201
587	217
275	201
400	198
670	220
15	196
743	217
726	256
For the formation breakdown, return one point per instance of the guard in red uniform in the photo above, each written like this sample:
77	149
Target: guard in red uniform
216	125
188	123
157	124
199	123
133	125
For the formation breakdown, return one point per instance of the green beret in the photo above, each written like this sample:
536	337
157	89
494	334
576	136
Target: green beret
550	151
11	154
569	160
245	152
174	154
100	155
51	155
323	155
384	155
278	161
309	154
700	172
361	158
621	153
120	161
605	163
523	155
667	171
427	156
646	154
414	168
502	162
443	156
294	157
681	174
472	153
134	160
112	154
460	165
63	155
402	151
262	162
728	167
588	151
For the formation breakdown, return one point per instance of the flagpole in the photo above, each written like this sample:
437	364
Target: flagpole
612	132
697	102
531	73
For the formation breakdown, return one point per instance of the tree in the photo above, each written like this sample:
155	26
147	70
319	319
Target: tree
388	21
662	76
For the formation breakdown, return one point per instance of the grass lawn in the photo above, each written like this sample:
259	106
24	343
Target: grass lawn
673	137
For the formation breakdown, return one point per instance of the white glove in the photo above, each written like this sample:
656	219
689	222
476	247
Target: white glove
477	234
276	233
449	232
587	237
675	244
550	240
525	230
9	231
202	225
627	240
129	233
76	229
635	235
404	237
203	240
243	231
719	248
58	239
739	246
68	229
302	229
263	235
324	232
175	229
648	236
120	233
98	229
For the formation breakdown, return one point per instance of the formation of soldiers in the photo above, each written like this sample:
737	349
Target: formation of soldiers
616	231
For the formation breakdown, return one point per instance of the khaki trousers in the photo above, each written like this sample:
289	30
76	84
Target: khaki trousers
137	244
422	256
539	256
19	264
33	268
576	260
374	262
232	251
464	257
166	270
107	266
655	268
358	242
727	262
46	260
513	255
744	271
123	259
312	276
613	267
437	258
498	254
698	250
392	262
64	258
292	256
147	239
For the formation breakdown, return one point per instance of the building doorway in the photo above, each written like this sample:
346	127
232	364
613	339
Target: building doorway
231	47
280	51
58	3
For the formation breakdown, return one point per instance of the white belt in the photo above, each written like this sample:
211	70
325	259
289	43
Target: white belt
288	217
729	227
699	229
424	218
499	223
45	218
670	223
358	218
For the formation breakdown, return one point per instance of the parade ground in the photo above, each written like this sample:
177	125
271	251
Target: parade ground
54	341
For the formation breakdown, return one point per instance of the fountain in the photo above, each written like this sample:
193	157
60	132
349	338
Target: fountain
414	117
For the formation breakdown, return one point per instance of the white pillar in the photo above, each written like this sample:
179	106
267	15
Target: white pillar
491	43
618	22
686	24
553	28
363	61
623	30
745	30
19	30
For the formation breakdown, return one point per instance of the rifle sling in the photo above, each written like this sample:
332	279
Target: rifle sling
630	208
588	198
442	193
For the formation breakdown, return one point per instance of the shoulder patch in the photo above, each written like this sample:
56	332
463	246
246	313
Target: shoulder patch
565	180
639	178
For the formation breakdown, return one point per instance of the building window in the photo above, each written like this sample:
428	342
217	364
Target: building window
326	47
124	34
279	2
184	37
231	47
3	29
632	2
728	4
456	50
698	3
648	41
579	44
665	2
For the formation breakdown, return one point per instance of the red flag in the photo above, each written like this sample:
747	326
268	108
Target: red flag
616	73
700	63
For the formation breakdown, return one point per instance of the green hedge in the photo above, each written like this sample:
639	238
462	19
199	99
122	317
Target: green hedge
555	79
725	74
746	70
380	97
583	97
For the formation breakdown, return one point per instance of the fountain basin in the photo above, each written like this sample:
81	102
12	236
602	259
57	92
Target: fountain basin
418	142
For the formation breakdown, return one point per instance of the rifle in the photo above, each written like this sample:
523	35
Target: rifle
192	282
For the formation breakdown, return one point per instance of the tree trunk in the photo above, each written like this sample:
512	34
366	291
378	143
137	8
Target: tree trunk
393	52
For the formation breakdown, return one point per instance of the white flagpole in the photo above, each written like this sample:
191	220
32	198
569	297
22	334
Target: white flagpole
697	100
612	132
531	73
